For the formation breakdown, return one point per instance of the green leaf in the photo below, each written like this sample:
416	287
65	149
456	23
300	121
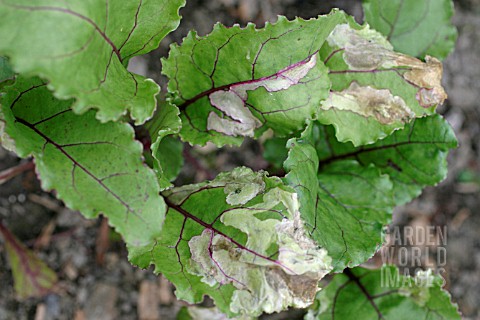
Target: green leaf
166	150
375	90
239	239
383	294
275	151
414	27
352	190
6	72
82	48
31	276
237	82
345	206
169	156
414	157
94	167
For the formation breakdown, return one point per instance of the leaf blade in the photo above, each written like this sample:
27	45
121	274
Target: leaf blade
375	90
383	294
237	238
416	28
346	221
353	190
166	151
91	31
75	155
397	156
231	71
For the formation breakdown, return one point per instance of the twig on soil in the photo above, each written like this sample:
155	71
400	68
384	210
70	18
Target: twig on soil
12	172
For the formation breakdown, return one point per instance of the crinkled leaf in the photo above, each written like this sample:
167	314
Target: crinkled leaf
31	276
375	90
414	27
345	205
167	151
413	157
83	47
94	167
236	82
6	72
383	294
239	239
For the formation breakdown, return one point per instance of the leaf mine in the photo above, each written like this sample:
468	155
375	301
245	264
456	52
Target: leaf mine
366	50
360	57
239	239
370	102
228	86
232	102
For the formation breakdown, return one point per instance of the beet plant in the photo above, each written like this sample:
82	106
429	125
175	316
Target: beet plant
348	110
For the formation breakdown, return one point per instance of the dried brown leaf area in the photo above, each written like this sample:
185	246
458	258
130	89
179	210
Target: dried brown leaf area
428	76
366	50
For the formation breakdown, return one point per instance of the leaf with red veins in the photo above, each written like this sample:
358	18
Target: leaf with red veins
384	294
347	221
238	82
32	277
386	174
251	254
233	102
87	61
361	57
93	167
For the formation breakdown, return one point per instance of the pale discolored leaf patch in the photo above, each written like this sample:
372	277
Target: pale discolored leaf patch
251	253
227	84
389	88
233	102
242	122
428	76
370	102
240	186
365	50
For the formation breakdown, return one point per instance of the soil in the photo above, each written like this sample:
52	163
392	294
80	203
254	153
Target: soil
97	282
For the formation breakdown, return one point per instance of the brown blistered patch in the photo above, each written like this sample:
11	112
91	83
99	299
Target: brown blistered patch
428	77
